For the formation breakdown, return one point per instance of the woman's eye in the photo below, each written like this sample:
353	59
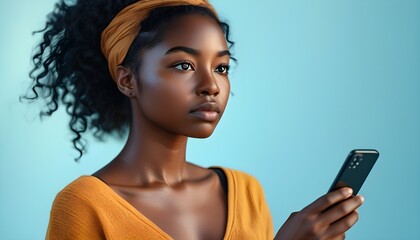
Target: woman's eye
185	66
223	69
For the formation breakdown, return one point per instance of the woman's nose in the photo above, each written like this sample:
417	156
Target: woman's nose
207	84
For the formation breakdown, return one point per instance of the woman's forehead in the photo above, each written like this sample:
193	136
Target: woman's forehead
195	31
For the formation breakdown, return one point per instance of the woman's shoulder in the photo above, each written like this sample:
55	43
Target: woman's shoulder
81	184
240	177
74	212
246	189
85	188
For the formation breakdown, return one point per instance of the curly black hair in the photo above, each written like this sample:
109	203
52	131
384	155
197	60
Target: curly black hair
69	67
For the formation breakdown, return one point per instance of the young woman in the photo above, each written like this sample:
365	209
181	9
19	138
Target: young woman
159	69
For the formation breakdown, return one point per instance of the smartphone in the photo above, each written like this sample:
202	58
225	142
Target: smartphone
355	169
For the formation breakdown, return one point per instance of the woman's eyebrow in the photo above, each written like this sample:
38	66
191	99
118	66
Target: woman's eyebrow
194	52
223	53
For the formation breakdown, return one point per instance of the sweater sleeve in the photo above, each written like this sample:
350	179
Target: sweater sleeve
267	229
73	217
253	218
266	218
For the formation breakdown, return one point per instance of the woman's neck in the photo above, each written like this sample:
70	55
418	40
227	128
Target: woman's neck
150	155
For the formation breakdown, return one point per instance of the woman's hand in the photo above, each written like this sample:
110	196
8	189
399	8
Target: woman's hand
328	217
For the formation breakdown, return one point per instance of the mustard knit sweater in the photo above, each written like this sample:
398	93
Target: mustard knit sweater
87	208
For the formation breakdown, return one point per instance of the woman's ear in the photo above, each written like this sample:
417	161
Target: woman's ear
126	81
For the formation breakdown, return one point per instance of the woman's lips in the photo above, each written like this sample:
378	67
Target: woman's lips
208	111
206	115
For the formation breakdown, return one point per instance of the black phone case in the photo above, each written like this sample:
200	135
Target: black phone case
355	169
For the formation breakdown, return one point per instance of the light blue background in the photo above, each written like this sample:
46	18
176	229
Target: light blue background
315	79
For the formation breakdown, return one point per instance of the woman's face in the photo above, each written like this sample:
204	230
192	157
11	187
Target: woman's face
184	79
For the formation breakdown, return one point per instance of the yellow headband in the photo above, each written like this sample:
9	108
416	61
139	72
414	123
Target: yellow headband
117	38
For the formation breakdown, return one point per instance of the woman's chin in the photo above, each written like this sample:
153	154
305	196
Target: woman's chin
204	133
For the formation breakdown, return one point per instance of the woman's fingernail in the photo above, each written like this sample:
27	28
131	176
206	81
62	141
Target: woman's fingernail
347	191
361	198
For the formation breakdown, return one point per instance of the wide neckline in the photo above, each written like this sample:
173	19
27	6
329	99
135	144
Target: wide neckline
230	204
